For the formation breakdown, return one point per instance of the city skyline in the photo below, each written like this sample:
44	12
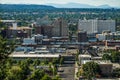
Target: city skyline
113	3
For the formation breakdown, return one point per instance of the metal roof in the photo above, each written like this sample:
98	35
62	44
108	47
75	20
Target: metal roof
34	55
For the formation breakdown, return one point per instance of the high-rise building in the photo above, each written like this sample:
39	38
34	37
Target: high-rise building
60	28
96	26
37	29
82	36
47	31
44	30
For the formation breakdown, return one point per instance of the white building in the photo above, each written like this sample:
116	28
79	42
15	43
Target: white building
33	56
108	36
84	58
29	41
96	26
101	37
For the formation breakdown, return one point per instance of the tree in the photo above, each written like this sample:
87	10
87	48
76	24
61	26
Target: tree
106	57
80	72
61	60
90	70
56	78
46	77
29	61
46	61
70	35
9	63
15	73
54	69
5	50
115	57
25	68
72	30
116	72
1	24
73	27
36	62
77	55
37	75
54	61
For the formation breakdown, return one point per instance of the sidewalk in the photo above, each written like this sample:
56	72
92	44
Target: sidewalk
76	70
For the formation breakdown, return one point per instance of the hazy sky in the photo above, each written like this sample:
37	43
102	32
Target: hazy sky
90	2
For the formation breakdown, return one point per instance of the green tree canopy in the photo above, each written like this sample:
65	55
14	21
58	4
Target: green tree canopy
115	57
37	75
56	78
25	68
116	72
5	49
46	77
61	60
36	62
106	57
29	61
90	70
15	73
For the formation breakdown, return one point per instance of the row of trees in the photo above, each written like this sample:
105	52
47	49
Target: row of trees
5	50
26	70
114	56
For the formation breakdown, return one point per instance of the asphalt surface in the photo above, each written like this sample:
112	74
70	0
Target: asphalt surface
67	70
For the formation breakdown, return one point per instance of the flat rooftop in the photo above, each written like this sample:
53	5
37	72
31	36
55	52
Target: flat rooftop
34	55
103	61
21	28
8	21
84	55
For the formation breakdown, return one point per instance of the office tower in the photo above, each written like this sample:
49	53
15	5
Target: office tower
96	26
60	28
82	36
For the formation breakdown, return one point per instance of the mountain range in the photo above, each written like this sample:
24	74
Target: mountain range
52	6
78	5
24	6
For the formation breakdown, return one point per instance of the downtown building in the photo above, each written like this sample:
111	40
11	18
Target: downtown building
82	36
60	28
96	26
56	28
